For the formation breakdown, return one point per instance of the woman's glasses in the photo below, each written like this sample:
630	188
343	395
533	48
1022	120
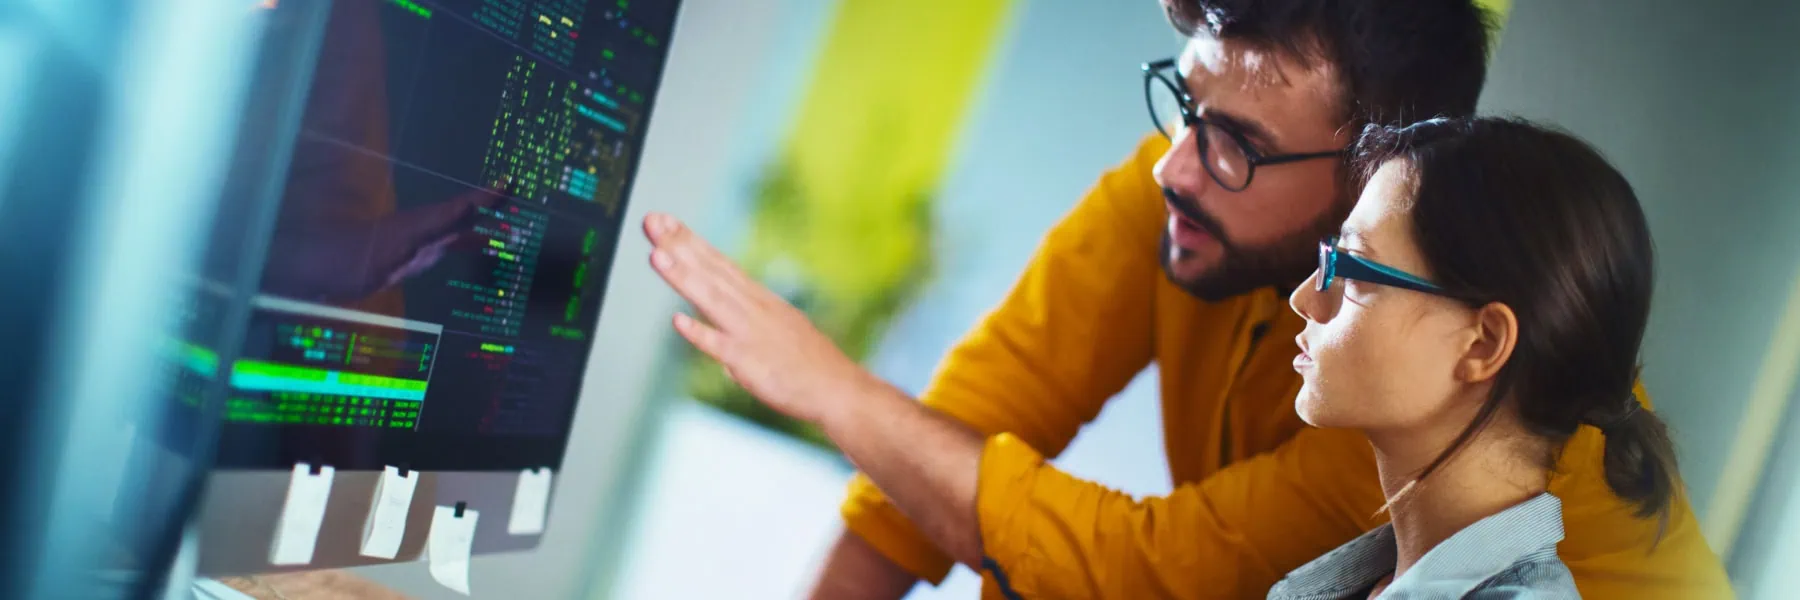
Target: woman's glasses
1334	262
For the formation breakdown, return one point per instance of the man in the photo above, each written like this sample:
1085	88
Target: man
1181	256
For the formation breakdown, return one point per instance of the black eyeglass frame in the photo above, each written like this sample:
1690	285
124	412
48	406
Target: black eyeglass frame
1154	74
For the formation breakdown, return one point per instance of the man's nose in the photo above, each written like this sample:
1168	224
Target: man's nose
1180	168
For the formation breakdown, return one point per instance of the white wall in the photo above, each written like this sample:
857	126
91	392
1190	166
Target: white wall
715	53
1693	101
1767	551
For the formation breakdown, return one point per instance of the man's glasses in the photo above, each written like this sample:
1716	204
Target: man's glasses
1334	262
1227	154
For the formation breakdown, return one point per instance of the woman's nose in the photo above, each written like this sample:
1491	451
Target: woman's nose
1306	299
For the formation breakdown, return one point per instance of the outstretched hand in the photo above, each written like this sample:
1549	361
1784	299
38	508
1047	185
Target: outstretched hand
764	343
927	462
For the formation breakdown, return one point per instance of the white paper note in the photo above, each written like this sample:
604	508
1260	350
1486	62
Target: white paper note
447	547
531	502
386	524
301	514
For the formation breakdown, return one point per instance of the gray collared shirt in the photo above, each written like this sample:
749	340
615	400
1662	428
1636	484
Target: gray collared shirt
1511	554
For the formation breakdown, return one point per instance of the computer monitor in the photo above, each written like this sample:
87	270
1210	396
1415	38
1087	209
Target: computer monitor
450	198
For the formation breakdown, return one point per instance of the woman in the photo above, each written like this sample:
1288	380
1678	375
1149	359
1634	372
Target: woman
1485	298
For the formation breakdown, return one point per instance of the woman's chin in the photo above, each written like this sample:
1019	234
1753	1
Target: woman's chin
1313	409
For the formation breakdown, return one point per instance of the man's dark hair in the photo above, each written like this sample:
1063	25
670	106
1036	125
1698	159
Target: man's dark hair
1397	61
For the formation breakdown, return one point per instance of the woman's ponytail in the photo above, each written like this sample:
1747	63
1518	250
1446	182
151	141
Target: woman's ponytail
1640	461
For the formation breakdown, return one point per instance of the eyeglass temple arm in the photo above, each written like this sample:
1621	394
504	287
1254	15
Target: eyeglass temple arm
1288	158
1352	267
1158	65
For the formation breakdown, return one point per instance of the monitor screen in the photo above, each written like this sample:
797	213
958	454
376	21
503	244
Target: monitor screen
447	220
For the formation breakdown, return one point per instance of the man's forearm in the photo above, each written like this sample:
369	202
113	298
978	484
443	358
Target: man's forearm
857	571
926	462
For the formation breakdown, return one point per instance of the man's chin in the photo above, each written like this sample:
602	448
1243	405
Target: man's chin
1206	286
1217	280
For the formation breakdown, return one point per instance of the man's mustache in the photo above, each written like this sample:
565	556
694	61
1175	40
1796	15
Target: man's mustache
1191	210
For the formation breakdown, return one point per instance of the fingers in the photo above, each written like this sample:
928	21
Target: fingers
708	293
698	272
704	337
666	232
709	341
681	237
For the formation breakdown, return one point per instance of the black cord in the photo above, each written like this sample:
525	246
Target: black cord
1000	578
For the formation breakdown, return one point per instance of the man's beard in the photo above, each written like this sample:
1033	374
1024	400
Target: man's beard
1284	263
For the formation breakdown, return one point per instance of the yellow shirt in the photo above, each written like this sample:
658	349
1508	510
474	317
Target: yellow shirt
1257	493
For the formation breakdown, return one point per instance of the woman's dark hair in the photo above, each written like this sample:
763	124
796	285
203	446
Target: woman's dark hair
1511	212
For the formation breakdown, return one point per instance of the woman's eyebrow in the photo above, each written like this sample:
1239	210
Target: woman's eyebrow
1352	239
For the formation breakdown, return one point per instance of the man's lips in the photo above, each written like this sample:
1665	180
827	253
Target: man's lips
1187	233
1180	217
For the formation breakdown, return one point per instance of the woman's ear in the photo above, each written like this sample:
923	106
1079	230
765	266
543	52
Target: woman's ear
1496	331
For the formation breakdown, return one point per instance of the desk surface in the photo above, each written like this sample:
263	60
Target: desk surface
310	585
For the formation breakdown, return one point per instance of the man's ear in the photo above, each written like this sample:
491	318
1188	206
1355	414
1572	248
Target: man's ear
1496	332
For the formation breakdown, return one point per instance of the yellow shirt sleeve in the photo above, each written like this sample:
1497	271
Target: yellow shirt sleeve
1071	333
1231	535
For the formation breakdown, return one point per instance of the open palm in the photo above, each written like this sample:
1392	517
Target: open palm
764	343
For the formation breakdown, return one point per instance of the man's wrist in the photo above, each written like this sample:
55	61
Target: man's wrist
846	405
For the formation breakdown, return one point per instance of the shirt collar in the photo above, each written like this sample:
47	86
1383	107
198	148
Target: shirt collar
1489	546
1348	569
1451	569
